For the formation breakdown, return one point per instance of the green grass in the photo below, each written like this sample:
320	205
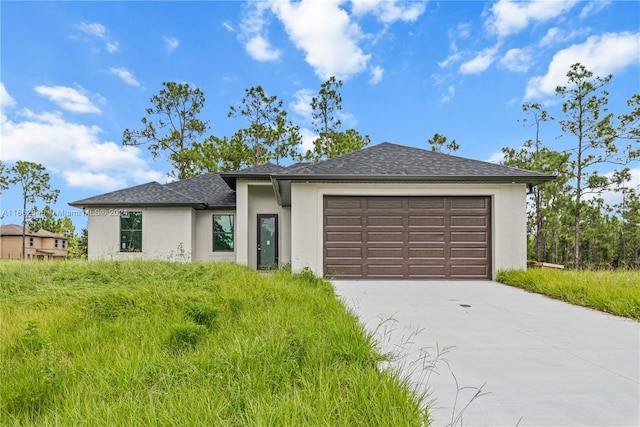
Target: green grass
166	344
615	292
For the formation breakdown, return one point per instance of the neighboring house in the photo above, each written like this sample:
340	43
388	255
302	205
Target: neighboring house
41	244
386	211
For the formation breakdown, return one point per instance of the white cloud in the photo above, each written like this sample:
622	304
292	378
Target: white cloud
308	136
389	11
125	75
510	17
112	46
73	150
94	29
448	95
228	27
556	35
302	103
496	157
99	31
481	62
171	43
326	34
516	60
451	59
593	7
6	101
261	50
376	75
603	54
68	98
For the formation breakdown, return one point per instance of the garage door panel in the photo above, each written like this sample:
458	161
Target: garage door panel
426	236
428	253
407	237
344	252
469	221
469	237
343	220
387	252
426	221
384	221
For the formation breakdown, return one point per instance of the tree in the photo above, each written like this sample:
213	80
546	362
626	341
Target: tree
172	125
437	142
587	119
4	179
331	142
34	184
268	136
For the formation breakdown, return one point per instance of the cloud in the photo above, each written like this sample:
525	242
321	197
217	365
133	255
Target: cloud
95	29
101	32
170	43
509	17
603	54
261	50
556	35
516	60
376	75
593	7
74	150
228	27
448	95
6	101
450	59
68	98
389	11
325	33
308	136
481	62
125	75
302	103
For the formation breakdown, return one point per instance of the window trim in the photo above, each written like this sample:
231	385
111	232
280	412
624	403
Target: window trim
225	233
130	230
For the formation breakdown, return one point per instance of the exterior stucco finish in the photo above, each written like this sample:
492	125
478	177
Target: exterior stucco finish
203	237
166	233
508	217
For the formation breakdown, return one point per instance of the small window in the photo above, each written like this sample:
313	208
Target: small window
55	243
30	241
223	233
131	232
64	244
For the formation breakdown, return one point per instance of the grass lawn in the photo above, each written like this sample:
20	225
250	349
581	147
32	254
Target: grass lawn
615	292
166	344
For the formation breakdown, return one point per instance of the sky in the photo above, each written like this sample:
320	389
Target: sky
74	75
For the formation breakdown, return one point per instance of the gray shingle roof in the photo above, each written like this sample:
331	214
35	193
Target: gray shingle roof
208	188
392	160
151	193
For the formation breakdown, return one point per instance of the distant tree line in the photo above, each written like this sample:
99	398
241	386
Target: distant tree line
569	221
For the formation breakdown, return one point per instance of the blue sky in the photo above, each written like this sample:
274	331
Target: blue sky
74	75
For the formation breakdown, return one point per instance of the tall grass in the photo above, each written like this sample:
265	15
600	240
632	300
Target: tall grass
615	292
159	343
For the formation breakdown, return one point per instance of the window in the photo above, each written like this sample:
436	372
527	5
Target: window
30	241
131	232
64	244
55	243
223	233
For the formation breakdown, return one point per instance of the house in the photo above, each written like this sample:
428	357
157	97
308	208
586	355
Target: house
386	211
41	244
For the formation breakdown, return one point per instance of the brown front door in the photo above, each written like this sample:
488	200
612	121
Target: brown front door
407	237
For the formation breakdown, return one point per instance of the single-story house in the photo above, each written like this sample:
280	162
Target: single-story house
41	244
385	211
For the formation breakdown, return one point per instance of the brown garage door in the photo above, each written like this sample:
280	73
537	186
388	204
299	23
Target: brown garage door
407	237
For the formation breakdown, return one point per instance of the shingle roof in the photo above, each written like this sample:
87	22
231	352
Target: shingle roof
151	193
209	188
16	230
387	160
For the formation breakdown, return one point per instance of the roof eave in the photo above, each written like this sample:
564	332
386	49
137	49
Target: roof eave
510	179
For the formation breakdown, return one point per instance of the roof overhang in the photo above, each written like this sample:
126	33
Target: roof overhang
282	182
231	177
81	205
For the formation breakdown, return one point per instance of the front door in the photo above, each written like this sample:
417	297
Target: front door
267	241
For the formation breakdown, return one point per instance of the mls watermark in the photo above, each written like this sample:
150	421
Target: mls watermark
63	212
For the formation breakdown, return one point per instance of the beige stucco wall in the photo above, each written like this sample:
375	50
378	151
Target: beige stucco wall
11	247
203	237
253	198
508	217
166	234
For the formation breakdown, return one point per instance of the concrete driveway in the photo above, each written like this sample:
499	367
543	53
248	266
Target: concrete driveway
541	361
